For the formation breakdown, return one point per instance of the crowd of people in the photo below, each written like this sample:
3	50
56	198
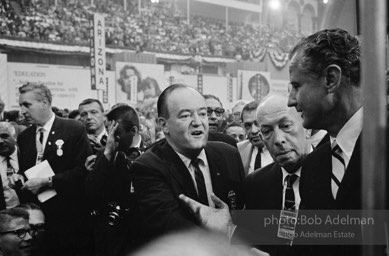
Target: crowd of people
108	189
161	28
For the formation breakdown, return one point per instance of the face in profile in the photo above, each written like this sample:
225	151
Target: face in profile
186	128
308	95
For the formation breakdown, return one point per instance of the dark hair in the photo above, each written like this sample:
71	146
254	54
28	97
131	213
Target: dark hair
249	107
123	73
90	101
162	108
326	47
73	114
210	96
128	116
150	82
7	215
41	91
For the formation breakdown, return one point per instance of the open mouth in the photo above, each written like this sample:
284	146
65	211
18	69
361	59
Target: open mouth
197	133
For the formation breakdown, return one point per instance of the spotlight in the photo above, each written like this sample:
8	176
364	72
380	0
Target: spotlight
274	4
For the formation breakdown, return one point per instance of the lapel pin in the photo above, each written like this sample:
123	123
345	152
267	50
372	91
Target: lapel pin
49	143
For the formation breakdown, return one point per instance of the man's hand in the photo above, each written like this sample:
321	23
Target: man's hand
36	185
90	162
95	143
14	180
218	219
112	142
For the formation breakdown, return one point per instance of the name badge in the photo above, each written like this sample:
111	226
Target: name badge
287	225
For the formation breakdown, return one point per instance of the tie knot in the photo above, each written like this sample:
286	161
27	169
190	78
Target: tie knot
195	162
335	147
290	179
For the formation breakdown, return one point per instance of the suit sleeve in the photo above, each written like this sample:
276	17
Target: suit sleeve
70	175
159	204
98	180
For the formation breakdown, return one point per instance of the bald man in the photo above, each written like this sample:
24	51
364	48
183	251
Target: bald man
266	189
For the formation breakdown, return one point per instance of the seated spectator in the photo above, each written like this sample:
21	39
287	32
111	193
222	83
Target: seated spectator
15	232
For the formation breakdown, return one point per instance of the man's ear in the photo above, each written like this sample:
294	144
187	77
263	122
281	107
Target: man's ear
162	122
134	129
333	76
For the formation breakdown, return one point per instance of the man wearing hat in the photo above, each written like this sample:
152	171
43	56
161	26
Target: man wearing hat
108	185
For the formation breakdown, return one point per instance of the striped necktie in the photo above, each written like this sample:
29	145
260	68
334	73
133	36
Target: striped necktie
199	177
290	203
338	168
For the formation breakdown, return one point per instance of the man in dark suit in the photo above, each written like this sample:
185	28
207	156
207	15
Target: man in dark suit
252	150
109	188
325	79
65	145
184	163
326	90
267	188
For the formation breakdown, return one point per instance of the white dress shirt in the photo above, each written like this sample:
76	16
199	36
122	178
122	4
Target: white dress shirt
10	196
47	128
265	158
348	135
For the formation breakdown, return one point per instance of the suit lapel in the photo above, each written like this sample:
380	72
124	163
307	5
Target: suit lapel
247	151
352	176
179	171
30	153
54	135
216	165
277	185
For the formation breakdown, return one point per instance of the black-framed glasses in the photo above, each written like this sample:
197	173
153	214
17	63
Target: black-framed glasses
36	229
21	233
218	111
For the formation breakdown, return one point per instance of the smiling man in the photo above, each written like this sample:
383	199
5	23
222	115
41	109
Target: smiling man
184	163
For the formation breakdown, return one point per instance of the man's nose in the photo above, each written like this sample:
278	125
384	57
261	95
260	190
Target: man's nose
254	128
292	102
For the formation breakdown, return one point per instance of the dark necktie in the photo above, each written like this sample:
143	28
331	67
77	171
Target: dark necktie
202	191
290	203
103	140
257	163
10	169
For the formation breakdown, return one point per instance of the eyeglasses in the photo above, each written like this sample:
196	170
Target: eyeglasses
21	233
36	229
218	111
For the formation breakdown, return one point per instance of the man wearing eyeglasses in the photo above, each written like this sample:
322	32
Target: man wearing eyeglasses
215	113
252	151
15	233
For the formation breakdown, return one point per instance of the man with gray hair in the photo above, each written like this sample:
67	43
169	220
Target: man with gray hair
65	145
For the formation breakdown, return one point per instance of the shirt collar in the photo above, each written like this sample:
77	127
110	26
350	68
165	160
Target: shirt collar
187	161
13	155
285	173
47	125
102	133
348	135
